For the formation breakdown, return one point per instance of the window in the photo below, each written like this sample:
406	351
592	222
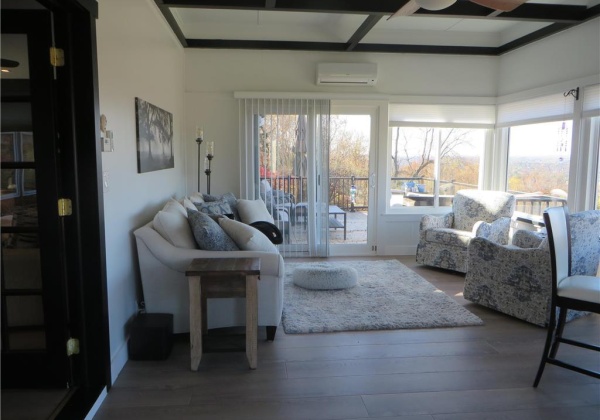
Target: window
429	164
538	165
435	150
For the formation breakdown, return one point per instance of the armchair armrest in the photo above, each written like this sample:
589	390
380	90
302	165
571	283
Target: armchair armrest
528	238
497	231
431	222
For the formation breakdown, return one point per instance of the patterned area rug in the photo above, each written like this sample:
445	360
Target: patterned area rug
388	296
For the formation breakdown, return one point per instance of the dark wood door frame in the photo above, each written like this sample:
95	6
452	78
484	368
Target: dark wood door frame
80	173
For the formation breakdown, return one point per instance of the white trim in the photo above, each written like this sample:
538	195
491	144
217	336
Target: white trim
439	125
548	89
408	99
117	362
94	410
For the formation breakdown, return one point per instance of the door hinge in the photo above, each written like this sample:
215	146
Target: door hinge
65	208
72	346
57	57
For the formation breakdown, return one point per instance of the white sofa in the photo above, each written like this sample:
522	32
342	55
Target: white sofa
165	286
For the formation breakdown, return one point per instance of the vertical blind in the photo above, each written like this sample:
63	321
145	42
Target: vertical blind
284	149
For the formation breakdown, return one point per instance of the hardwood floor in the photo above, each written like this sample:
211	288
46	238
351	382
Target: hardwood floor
467	373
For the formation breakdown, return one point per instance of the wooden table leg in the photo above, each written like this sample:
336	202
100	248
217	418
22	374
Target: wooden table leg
195	322
251	320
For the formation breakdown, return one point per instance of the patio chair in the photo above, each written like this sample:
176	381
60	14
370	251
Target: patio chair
444	240
280	204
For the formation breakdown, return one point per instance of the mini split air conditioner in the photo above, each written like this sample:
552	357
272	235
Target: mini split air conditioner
347	74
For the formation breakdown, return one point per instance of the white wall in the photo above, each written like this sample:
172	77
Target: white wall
212	76
569	55
138	56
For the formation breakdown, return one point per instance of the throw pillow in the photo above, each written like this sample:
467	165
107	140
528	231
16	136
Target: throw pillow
174	206
188	204
196	197
253	211
175	229
246	237
229	198
208	234
214	207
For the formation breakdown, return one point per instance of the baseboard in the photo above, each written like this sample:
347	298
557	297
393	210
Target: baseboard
117	362
94	410
399	250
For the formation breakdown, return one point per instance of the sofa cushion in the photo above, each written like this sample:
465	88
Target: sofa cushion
196	197
188	204
253	211
246	237
208	234
214	207
451	237
174	228
174	206
229	198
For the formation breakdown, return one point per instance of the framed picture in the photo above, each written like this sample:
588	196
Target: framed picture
154	132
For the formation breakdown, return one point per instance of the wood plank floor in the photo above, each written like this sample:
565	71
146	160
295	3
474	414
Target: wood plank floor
467	373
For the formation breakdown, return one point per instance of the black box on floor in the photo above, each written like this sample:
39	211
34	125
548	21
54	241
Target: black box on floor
151	337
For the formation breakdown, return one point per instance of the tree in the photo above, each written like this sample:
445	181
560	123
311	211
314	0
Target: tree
412	155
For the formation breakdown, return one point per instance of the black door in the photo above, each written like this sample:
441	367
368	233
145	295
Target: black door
35	314
53	284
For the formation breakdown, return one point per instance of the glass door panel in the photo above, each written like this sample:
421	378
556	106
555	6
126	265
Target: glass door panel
352	183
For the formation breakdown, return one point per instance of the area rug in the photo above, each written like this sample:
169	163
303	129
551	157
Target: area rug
388	296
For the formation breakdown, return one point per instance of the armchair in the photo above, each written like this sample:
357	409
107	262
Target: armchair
444	240
516	279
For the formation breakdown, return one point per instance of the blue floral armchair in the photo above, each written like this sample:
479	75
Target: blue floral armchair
444	240
516	279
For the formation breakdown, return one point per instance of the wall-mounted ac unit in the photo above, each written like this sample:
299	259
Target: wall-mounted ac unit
347	74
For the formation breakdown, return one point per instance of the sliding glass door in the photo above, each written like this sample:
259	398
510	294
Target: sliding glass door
285	147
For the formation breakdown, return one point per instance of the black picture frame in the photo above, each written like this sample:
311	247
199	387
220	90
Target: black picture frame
154	136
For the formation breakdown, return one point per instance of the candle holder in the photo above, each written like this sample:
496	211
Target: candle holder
199	134
208	171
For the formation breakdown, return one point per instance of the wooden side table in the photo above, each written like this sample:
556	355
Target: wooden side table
222	278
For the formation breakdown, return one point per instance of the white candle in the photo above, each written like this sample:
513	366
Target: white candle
199	133
205	164
210	148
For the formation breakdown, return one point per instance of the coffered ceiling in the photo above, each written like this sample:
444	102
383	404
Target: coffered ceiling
366	26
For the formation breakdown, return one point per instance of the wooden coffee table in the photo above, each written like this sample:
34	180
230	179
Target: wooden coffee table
222	278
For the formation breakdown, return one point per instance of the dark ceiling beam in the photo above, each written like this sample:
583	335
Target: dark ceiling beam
317	6
590	13
338	47
462	9
164	9
533	37
270	4
362	31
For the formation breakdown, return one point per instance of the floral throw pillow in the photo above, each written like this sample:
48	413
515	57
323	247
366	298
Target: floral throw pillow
208	234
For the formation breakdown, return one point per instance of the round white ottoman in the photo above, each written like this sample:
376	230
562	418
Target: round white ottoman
325	277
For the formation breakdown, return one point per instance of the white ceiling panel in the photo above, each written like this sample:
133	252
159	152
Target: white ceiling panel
266	25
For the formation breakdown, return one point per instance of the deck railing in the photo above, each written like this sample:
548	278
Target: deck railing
341	194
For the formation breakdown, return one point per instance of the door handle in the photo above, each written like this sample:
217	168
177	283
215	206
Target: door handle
373	178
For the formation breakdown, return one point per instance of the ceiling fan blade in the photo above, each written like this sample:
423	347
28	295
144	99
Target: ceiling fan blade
406	10
502	5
